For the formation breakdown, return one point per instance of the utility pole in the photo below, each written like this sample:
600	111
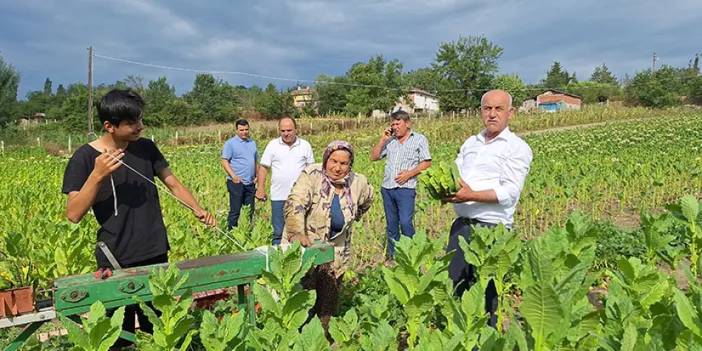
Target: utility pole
653	64
90	92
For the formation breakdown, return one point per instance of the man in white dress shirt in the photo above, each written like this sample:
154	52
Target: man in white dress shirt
286	156
493	165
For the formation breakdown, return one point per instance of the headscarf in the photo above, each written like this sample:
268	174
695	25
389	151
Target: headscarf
328	183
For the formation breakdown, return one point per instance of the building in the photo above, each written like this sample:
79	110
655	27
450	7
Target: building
417	101
556	100
303	97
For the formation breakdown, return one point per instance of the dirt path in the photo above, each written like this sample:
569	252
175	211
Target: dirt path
583	126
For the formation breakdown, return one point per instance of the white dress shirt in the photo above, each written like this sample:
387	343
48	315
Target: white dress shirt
286	164
501	165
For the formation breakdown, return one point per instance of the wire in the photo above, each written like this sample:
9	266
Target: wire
254	75
175	197
322	81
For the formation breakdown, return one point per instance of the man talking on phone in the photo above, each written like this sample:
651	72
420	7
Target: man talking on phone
407	154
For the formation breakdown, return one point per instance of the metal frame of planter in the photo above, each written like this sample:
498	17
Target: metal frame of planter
73	295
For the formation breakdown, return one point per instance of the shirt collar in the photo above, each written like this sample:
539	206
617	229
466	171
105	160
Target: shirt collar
242	140
504	135
411	133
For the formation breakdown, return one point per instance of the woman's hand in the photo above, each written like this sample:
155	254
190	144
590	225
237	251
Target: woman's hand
303	239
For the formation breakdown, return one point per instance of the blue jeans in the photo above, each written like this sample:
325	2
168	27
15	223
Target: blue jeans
239	194
399	214
278	219
461	272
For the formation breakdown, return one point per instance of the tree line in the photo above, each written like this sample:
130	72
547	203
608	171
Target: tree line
461	72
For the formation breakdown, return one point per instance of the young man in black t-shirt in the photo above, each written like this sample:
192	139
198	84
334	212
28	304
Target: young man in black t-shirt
124	203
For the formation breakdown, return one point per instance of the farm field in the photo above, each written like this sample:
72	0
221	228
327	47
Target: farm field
608	173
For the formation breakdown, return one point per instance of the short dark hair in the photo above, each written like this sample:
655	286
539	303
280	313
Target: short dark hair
400	115
287	117
241	122
120	105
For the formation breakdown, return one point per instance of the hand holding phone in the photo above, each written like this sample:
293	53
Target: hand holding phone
388	132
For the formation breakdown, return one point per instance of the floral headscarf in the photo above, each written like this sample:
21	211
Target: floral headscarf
328	183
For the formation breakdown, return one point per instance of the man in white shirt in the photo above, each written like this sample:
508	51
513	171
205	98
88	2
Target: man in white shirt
286	156
493	165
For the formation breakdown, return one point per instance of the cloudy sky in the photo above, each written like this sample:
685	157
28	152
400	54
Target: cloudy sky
300	39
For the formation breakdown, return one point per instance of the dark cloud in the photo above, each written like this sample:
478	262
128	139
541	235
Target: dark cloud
301	39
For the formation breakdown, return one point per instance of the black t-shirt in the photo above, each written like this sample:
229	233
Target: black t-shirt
137	231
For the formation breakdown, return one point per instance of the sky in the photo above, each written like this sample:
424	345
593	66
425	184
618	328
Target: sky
295	41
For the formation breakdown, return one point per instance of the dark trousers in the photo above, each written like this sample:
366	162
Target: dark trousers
131	311
462	273
239	194
323	280
398	204
278	219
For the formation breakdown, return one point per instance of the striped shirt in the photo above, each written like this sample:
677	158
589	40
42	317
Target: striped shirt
403	157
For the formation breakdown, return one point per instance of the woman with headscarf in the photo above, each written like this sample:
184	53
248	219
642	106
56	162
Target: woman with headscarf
322	205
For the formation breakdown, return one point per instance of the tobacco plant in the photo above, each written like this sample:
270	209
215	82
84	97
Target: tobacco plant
418	278
99	332
173	328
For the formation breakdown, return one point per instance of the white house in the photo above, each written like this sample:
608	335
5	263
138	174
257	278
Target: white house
417	101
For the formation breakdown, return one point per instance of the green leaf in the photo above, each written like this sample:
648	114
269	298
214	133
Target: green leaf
689	207
312	337
187	340
76	335
687	313
629	338
343	329
419	304
542	311
395	286
266	299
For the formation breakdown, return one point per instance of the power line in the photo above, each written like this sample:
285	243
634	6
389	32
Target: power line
318	81
263	76
254	75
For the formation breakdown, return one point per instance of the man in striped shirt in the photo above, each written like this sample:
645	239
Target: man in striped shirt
407	154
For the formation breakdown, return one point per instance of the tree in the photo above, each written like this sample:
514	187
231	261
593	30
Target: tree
557	77
135	83
214	98
594	92
9	81
157	95
426	79
60	91
601	74
655	89
47	87
466	68
331	92
694	66
37	101
689	77
514	86
273	104
696	90
375	86
73	109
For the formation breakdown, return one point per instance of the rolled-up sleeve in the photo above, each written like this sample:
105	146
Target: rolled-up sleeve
514	173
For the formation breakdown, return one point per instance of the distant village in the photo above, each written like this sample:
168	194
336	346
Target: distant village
420	101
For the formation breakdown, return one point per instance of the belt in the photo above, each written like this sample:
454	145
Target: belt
473	221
